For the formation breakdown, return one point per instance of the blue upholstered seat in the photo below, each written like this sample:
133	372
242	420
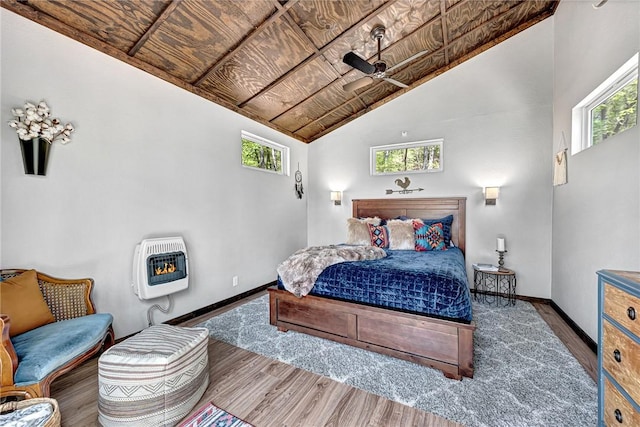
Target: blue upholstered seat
47	348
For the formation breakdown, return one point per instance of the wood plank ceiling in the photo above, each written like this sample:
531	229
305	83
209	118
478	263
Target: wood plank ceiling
280	62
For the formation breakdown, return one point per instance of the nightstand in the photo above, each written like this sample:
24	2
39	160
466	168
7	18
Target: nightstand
494	286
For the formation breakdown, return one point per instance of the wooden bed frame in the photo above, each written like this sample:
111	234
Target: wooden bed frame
442	344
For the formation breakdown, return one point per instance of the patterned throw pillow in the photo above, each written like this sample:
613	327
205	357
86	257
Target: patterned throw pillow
379	236
446	222
429	237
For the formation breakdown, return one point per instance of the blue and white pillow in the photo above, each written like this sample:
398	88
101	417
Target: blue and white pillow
429	237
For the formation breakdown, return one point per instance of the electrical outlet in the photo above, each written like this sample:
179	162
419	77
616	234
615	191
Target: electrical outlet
235	280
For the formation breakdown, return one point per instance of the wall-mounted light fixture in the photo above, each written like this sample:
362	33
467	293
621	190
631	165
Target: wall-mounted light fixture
491	195
336	197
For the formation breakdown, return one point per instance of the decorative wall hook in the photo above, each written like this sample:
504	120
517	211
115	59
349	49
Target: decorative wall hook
599	5
404	184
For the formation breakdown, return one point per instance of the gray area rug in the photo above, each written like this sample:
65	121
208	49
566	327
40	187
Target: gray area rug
524	375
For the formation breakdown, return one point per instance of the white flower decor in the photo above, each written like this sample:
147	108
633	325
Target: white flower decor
34	121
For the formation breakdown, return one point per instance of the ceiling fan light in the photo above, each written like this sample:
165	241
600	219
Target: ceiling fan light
357	84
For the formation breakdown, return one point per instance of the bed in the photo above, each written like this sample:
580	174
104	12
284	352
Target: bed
441	342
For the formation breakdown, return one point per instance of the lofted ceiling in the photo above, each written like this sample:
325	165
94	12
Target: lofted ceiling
281	62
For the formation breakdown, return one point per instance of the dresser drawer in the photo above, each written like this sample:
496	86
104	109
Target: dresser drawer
622	307
617	410
621	358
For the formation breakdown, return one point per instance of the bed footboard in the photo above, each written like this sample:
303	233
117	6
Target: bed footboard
441	344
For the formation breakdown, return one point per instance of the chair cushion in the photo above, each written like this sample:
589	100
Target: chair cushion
49	347
23	302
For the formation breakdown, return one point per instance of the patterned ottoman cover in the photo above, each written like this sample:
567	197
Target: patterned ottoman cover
154	378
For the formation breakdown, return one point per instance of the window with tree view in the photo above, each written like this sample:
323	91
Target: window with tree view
419	156
617	113
260	153
609	110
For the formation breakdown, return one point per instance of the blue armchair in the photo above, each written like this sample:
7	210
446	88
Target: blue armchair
31	360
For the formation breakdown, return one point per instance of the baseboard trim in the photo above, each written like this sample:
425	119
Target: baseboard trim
217	305
534	299
573	325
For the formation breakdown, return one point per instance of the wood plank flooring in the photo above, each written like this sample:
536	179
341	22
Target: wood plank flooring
266	392
585	356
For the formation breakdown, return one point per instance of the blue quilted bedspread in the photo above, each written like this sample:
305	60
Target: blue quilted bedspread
433	283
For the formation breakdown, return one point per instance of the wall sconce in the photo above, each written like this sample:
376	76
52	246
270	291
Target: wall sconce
336	197
491	195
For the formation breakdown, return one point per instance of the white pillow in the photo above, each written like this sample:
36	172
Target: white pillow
358	230
401	235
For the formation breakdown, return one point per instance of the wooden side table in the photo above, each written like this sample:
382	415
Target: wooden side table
490	286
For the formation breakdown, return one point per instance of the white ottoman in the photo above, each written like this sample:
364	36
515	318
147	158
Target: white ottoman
154	378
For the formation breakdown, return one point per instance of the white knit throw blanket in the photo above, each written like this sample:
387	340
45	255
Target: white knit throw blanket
300	271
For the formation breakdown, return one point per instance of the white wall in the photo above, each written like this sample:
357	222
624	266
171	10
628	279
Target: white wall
494	113
596	215
140	140
147	160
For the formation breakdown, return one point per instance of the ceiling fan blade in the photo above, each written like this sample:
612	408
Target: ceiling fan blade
357	84
409	59
395	82
358	63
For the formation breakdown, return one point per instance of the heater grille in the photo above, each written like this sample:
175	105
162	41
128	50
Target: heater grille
163	246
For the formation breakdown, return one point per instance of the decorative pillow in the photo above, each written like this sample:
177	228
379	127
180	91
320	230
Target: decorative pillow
23	302
379	236
401	235
358	230
429	237
446	226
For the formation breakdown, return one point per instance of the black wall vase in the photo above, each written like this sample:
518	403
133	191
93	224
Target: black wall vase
35	155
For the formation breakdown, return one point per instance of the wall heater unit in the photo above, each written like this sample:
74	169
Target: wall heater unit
160	267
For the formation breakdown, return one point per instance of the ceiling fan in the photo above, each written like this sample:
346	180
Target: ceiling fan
377	70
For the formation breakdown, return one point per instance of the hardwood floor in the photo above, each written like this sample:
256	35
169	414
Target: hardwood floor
581	351
266	392
261	391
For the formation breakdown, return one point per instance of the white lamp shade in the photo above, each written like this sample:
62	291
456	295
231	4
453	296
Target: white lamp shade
491	193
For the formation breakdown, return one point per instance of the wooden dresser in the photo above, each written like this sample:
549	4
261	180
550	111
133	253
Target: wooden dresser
619	348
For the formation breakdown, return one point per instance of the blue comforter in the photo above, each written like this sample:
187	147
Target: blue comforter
433	283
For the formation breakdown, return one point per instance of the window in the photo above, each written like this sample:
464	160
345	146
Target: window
609	110
419	156
262	154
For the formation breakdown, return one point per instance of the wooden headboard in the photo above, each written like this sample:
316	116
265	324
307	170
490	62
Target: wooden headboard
428	208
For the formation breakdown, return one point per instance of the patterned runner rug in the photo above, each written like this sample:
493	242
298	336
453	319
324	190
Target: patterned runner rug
212	416
524	375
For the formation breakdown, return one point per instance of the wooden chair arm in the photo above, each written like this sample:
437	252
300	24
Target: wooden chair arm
8	357
66	298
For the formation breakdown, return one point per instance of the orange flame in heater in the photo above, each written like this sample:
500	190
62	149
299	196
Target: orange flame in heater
168	268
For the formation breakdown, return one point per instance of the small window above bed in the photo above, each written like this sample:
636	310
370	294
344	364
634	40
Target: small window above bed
409	157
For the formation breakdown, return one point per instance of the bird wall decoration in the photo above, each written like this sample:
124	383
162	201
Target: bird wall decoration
404	184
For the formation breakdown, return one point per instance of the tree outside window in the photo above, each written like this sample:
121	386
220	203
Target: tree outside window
616	114
262	154
419	156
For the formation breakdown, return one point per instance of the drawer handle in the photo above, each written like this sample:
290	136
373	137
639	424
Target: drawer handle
631	312
617	355
618	415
